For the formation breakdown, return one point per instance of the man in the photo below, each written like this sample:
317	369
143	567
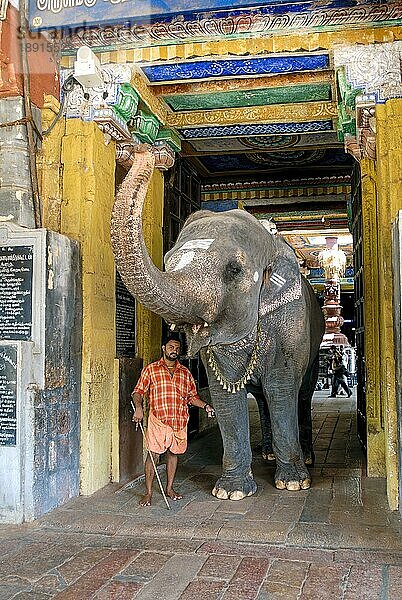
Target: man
171	389
339	370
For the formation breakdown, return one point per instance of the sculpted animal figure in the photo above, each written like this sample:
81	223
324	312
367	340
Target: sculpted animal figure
237	292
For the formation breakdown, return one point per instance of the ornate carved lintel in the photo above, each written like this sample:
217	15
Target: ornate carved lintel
110	105
374	69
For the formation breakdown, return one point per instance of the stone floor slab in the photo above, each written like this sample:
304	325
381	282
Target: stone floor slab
173	578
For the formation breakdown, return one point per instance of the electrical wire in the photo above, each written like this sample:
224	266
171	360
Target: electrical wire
67	87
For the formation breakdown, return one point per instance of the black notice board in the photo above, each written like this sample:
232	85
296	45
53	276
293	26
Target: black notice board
8	396
125	321
16	264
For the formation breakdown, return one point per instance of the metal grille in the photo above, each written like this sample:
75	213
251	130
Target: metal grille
358	258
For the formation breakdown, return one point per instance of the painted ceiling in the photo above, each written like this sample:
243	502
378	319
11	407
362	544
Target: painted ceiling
250	90
280	113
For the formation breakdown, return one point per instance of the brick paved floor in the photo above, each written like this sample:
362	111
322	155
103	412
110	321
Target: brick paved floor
337	540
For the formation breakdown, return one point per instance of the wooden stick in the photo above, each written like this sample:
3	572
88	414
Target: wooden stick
153	462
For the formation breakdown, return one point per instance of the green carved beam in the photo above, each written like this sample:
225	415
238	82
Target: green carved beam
145	126
346	105
250	97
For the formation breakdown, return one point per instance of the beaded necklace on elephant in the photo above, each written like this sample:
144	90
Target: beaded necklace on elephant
236	386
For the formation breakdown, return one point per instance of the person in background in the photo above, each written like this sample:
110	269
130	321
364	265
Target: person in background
339	377
171	388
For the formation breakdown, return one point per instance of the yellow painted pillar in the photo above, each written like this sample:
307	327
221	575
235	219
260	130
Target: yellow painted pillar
389	201
149	325
374	406
49	165
88	194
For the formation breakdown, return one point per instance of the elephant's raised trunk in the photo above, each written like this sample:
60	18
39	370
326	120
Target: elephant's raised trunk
160	292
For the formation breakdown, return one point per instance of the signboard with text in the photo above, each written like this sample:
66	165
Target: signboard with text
45	14
8	395
16	265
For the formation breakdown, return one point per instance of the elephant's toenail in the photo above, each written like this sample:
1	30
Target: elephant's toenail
293	486
280	485
222	494
237	495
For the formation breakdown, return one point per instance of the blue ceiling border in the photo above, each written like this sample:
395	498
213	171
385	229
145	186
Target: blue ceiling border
211	69
255	129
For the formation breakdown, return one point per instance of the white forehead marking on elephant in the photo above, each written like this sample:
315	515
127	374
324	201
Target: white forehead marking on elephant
277	279
185	260
204	244
256	276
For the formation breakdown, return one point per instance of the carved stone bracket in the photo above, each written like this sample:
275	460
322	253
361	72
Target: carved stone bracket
126	151
366	126
164	153
367	75
362	145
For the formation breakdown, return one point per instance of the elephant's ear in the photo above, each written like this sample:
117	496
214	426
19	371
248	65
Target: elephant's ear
281	283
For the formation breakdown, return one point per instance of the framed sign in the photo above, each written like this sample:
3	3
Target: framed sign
16	268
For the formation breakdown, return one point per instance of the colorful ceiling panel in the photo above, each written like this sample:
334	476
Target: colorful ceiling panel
263	161
262	142
308	244
259	97
237	67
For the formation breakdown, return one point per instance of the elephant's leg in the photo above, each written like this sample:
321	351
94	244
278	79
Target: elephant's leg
305	425
265	420
231	410
291	472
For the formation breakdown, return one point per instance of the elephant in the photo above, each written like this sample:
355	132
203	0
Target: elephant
237	293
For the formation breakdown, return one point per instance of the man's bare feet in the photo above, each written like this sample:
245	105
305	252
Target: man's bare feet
173	495
146	500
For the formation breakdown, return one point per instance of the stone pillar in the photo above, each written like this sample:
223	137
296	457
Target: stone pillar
376	465
17	182
88	194
40	345
16	201
333	261
370	123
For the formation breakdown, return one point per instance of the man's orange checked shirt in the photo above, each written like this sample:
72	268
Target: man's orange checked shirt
169	395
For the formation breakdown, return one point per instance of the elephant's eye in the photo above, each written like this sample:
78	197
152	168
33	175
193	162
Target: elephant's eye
232	269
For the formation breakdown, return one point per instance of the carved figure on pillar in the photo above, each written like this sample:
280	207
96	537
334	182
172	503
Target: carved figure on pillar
333	262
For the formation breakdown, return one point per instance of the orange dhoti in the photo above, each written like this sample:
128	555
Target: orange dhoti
161	437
